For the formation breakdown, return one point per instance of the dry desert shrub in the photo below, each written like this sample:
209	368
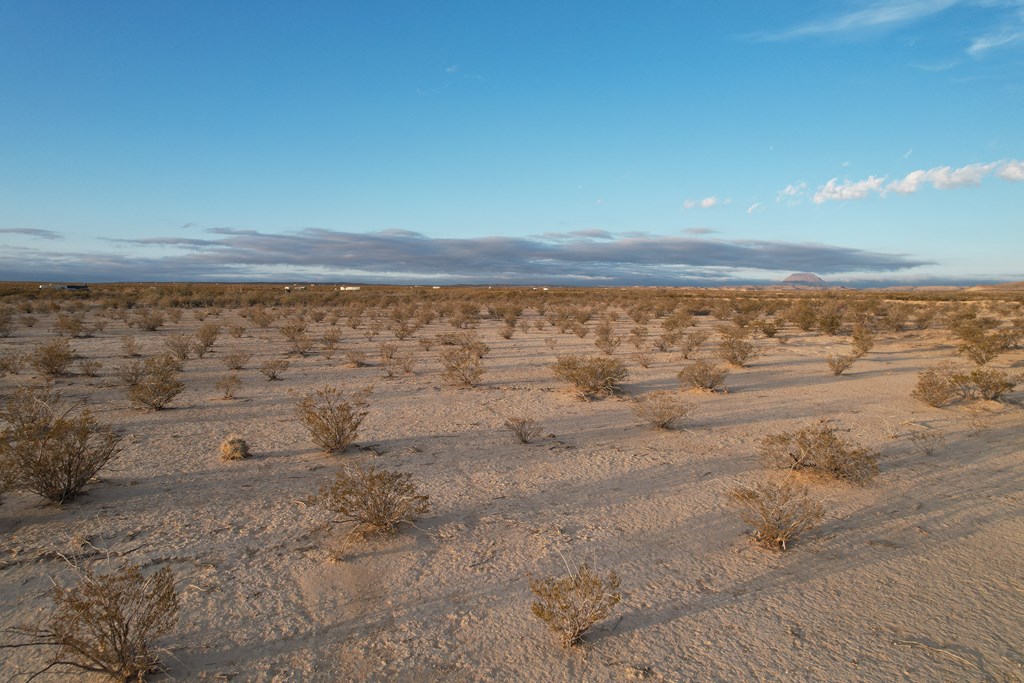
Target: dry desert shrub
180	345
90	367
935	386
11	363
272	369
978	343
591	377
355	358
149	320
237	331
397	362
157	383
839	363
461	366
991	384
703	376
736	350
778	512
206	337
333	417
52	451
660	409
863	339
228	384
130	347
820	449
927	442
109	623
525	429
643	358
236	360
571	605
945	383
377	501
52	358
234	447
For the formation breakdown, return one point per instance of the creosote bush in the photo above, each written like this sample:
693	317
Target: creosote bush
571	605
946	383
591	377
109	623
333	417
48	449
820	449
524	428
777	512
703	376
460	366
234	447
839	364
157	383
272	369
660	409
52	358
377	501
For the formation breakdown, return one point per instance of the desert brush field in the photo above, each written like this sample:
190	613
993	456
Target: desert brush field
244	483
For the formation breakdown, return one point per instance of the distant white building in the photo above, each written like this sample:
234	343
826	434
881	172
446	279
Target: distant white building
348	289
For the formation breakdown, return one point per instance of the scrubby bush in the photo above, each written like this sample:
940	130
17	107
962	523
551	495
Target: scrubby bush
377	501
149	320
272	369
571	605
52	358
130	347
935	386
180	345
89	367
777	512
820	449
591	376
206	337
236	360
704	376
234	447
460	366
157	383
109	623
660	409
863	339
51	449
11	363
524	428
228	384
333	417
991	384
736	351
839	363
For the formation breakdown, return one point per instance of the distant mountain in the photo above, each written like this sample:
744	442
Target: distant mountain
804	280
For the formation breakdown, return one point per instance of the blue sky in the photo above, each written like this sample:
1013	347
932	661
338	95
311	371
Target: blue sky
596	142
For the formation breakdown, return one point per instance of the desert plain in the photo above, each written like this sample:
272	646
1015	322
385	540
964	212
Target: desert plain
914	575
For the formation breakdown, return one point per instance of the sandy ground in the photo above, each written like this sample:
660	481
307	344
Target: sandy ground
917	576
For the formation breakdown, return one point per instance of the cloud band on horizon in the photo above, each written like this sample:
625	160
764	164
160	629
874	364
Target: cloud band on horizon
400	255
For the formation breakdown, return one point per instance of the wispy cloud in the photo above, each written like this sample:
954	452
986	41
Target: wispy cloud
1006	17
699	231
33	232
834	190
706	203
874	16
404	256
753	207
940	178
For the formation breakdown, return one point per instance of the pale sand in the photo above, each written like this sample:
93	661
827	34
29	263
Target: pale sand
916	577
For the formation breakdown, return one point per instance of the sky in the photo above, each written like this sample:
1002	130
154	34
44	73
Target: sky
594	143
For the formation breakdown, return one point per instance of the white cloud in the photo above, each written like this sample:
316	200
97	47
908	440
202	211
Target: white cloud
1011	170
754	207
833	190
878	15
792	190
983	44
706	203
942	178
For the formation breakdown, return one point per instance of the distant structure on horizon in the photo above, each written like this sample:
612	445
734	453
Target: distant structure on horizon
805	280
